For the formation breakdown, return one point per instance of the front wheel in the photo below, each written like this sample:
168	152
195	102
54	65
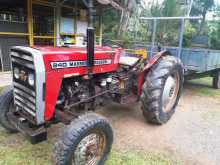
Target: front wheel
7	106
162	89
86	141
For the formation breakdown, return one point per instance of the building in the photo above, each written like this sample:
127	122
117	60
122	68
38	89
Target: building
42	22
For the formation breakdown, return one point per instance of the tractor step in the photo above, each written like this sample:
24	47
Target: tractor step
34	135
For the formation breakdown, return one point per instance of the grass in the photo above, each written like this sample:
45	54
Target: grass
16	150
139	158
1	89
203	87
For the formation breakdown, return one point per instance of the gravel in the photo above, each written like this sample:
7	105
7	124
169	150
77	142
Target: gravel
192	134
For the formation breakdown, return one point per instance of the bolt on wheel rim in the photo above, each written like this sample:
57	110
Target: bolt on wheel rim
170	92
90	149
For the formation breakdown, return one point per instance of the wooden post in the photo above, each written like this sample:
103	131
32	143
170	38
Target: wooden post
100	27
58	13
55	27
30	22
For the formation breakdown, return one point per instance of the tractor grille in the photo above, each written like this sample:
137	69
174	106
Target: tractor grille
24	94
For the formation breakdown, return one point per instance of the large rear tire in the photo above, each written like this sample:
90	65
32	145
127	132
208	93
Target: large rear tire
6	105
216	80
87	139
162	89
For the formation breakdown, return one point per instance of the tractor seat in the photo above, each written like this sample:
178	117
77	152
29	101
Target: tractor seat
129	61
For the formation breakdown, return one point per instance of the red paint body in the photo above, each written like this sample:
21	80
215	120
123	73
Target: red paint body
54	77
150	63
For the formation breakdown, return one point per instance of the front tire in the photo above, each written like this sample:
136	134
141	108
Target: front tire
7	105
162	89
87	139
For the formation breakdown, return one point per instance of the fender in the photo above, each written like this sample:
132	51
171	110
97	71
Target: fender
147	67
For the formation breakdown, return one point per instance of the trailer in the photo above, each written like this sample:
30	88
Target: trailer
198	62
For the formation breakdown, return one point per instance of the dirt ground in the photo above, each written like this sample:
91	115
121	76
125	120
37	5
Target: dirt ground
192	135
5	79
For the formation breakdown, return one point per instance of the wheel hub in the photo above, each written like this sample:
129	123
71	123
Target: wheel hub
89	150
170	92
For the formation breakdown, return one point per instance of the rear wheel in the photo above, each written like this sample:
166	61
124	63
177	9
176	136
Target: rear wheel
6	106
216	80
86	141
162	89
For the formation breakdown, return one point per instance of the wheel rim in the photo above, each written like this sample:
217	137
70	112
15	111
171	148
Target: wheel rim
170	92
90	149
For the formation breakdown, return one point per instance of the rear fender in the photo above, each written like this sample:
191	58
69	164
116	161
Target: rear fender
147	67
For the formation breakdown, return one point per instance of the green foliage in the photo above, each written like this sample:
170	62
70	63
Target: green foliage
126	40
203	87
1	89
190	32
201	7
155	10
139	158
215	37
167	30
215	31
111	19
170	8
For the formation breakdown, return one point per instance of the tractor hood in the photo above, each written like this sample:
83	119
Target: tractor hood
48	50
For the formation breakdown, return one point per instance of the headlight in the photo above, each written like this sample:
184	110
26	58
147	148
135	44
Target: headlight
16	73
31	79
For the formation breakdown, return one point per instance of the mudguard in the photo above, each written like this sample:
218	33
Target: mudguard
147	67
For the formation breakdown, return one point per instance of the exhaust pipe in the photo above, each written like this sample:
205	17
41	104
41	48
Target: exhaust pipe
90	47
90	38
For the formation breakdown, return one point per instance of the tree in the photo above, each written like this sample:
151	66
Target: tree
169	8
200	8
167	31
215	31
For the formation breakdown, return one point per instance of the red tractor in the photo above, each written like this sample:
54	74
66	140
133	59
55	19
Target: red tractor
52	85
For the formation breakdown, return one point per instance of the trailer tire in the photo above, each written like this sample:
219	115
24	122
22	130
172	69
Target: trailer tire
6	101
162	89
67	150
216	80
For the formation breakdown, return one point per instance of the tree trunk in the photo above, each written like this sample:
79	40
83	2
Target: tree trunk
203	21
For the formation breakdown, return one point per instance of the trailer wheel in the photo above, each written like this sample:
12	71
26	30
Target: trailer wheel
87	140
216	80
6	105
162	89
